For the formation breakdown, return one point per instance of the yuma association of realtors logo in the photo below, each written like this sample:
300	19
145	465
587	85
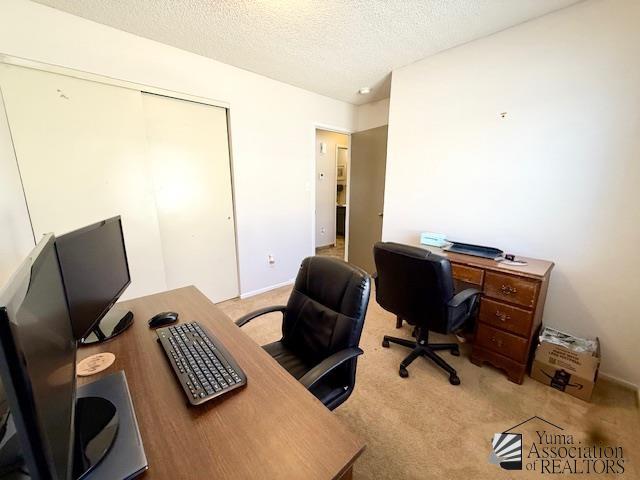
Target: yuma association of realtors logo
554	453
507	450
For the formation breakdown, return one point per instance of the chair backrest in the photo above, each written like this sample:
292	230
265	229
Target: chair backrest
414	284
326	309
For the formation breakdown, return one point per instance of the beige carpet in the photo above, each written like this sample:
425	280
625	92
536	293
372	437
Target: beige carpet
423	427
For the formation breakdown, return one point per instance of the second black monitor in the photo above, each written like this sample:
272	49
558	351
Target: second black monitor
94	266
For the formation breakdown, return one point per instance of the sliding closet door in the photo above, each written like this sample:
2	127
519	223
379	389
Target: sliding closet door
189	156
81	147
16	240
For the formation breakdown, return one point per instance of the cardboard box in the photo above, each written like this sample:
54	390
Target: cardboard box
571	372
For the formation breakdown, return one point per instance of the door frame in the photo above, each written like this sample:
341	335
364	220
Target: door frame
346	181
116	82
143	88
348	133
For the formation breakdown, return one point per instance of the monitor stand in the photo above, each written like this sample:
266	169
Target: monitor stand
96	427
116	321
108	445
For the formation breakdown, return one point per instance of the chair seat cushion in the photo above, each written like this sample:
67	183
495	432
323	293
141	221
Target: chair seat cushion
287	359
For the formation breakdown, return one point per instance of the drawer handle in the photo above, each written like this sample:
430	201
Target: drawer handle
508	289
496	341
502	316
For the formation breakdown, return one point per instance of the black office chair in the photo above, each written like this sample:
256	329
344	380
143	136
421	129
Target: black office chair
417	286
321	327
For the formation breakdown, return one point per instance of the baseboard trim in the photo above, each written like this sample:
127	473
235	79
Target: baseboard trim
253	293
620	381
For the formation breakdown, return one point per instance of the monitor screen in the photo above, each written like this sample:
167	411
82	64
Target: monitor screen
94	266
39	352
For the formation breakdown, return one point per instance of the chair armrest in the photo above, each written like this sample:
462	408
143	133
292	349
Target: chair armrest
257	313
463	296
316	373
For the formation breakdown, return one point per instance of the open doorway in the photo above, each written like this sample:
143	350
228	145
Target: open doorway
332	184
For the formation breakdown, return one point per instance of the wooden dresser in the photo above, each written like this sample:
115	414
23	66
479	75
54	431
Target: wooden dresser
511	308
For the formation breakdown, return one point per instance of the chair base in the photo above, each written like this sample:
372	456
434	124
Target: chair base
425	350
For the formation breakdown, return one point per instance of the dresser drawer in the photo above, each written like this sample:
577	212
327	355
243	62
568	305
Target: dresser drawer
506	317
467	274
504	343
518	290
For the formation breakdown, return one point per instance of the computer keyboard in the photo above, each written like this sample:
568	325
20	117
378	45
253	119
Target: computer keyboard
203	367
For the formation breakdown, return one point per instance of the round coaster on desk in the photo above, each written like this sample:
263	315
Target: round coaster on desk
94	364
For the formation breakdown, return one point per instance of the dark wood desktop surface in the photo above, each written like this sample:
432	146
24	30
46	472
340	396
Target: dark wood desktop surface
272	428
535	268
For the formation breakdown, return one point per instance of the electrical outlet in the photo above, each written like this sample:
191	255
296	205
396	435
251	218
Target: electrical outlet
271	259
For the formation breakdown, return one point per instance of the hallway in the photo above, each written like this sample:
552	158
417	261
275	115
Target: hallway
336	250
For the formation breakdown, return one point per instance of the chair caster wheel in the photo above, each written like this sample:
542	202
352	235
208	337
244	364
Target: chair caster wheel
454	380
455	352
385	343
404	373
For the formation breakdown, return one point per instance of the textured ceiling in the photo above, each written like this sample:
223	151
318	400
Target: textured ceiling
332	47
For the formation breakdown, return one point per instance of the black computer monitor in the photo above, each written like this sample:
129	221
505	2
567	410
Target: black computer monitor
95	271
37	365
49	429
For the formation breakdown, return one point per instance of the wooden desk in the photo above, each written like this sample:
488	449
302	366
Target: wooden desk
272	428
511	308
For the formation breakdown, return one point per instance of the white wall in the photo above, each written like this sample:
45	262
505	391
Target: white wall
372	115
326	194
272	124
558	178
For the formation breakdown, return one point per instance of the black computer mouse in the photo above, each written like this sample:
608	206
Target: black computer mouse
162	319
